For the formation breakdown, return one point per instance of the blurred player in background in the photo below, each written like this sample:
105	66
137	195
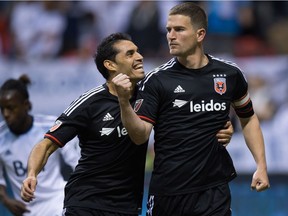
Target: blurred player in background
19	132
109	179
187	100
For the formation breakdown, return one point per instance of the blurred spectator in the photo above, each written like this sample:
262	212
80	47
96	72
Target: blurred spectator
224	16
277	36
5	43
42	29
234	23
267	13
269	29
112	16
252	39
82	31
224	24
71	32
37	29
144	28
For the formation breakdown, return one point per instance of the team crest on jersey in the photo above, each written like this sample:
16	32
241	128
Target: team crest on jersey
220	85
55	126
138	104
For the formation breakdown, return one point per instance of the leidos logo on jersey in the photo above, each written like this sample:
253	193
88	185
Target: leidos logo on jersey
210	106
201	107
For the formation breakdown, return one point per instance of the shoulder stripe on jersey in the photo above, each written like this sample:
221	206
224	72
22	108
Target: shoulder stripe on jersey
226	62
82	99
83	95
229	63
165	66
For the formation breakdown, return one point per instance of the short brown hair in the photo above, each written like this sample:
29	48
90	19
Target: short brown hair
197	15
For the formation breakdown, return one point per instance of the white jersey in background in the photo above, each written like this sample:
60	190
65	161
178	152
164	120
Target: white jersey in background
14	153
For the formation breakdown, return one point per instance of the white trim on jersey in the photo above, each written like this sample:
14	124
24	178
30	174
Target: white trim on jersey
226	62
229	63
82	99
165	66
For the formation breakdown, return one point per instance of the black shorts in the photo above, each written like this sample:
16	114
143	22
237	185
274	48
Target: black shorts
211	202
80	211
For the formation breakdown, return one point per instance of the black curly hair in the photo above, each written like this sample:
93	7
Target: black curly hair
107	51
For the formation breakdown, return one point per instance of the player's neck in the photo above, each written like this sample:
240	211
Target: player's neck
194	61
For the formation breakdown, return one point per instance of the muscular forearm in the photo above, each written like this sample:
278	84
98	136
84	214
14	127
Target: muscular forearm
138	130
39	156
254	140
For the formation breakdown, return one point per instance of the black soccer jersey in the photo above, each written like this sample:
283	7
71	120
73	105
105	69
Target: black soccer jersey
187	108
110	172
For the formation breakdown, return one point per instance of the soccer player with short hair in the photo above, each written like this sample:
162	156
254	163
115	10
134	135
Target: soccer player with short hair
109	177
19	132
187	100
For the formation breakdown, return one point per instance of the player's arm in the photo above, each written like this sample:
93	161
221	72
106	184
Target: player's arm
224	135
255	142
138	130
36	161
14	206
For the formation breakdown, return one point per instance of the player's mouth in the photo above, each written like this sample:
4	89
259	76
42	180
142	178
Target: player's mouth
138	66
172	45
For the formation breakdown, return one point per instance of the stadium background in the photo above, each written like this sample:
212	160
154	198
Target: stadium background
53	43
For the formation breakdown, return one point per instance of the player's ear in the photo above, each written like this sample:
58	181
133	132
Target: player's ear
110	65
201	34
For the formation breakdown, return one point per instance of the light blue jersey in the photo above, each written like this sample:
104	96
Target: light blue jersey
14	153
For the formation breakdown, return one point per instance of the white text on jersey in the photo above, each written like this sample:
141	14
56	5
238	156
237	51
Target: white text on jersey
210	106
